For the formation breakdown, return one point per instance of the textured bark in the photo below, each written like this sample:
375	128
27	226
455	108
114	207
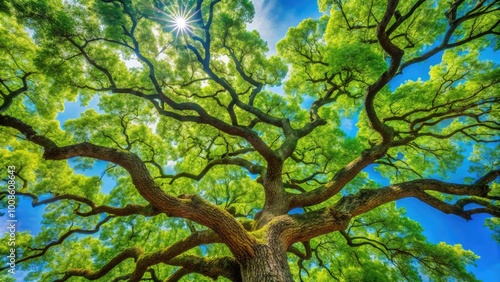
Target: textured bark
192	207
276	200
270	261
269	264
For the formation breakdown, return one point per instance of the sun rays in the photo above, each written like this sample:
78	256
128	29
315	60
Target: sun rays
181	20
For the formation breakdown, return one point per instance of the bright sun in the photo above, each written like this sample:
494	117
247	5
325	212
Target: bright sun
181	20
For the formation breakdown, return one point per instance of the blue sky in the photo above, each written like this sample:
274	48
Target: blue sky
272	20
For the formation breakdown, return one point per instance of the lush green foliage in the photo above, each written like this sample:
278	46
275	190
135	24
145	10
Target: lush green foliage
199	111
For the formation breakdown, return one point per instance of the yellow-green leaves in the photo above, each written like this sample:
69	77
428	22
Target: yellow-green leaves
455	106
186	116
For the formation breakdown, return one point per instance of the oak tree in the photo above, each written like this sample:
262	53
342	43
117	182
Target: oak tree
209	158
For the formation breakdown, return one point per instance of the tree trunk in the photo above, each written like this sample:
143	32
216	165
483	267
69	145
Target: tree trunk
270	264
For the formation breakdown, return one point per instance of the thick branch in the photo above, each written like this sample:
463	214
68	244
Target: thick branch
366	200
353	168
339	180
163	256
93	275
298	228
396	54
191	207
167	255
488	177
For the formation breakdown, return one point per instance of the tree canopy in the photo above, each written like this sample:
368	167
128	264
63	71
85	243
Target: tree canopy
220	175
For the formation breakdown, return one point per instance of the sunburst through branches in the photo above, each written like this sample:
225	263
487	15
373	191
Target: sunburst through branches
181	20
